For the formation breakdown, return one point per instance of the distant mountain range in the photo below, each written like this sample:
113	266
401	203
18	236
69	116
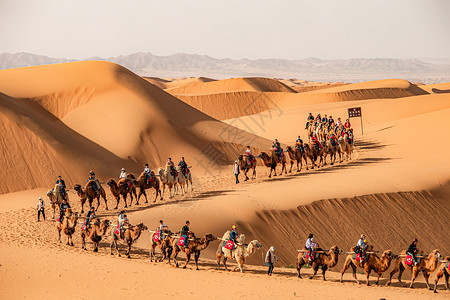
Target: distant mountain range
193	65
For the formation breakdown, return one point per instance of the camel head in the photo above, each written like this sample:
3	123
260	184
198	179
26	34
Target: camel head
436	254
389	254
49	193
240	158
288	149
241	239
141	226
77	187
335	249
209	237
68	212
110	182
256	244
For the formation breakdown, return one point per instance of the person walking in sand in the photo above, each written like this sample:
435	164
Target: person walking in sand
270	259
40	206
236	171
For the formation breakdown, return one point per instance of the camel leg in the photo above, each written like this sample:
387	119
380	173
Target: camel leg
299	169
315	269
368	274
169	253
129	249
254	173
396	268
219	257
188	259
83	242
438	277
82	205
59	235
125	200
299	267
427	276
90	202
175	257
415	273
354	272
241	264
324	270
346	266
196	256
225	263
292	164
401	270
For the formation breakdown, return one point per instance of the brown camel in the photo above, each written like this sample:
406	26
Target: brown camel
427	265
164	243
143	185
331	150
443	271
243	164
90	193
167	178
121	188
67	226
373	262
129	236
313	153
271	159
296	154
325	259
195	246
95	232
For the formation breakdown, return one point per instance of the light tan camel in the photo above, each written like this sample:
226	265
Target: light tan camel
271	159
427	265
95	232
164	243
240	253
122	188
167	178
373	262
195	246
345	148
55	198
67	226
142	183
130	235
243	164
331	150
90	193
325	260
443	271
181	181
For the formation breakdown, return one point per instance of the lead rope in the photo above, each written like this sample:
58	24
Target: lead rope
262	256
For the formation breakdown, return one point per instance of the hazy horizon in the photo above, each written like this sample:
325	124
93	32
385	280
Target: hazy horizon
284	29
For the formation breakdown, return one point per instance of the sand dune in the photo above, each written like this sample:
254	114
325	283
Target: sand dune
175	82
232	85
439	88
106	112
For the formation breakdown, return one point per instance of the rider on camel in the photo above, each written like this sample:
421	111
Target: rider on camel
172	167
97	186
308	120
185	231
347	124
333	139
316	141
148	173
277	146
233	234
325	119
183	166
250	157
62	187
123	174
299	143
89	216
62	209
361	249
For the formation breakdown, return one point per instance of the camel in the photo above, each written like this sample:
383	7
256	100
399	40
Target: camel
55	198
345	148
443	271
326	260
195	246
240	253
373	262
90	193
143	185
271	160
164	243
182	181
129	236
427	265
313	153
331	150
296	154
243	164
121	188
167	178
95	232
67	226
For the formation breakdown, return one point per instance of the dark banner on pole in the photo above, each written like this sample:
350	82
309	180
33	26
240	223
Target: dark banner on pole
354	112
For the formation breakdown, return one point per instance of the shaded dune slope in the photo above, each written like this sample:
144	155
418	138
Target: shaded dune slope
389	220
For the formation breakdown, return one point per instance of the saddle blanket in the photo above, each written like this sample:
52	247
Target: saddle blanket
181	241
83	226
156	236
229	245
409	260
117	229
357	256
306	254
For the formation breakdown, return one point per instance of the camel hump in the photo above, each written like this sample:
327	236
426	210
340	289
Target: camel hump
122	180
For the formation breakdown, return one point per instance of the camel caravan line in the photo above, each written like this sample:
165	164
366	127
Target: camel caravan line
171	244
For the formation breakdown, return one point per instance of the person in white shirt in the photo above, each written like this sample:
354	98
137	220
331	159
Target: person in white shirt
270	259
249	155
361	249
40	206
236	171
147	172
123	174
309	246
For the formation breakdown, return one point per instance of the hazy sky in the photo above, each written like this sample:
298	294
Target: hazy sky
235	29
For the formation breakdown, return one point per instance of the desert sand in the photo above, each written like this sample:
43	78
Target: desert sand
67	119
